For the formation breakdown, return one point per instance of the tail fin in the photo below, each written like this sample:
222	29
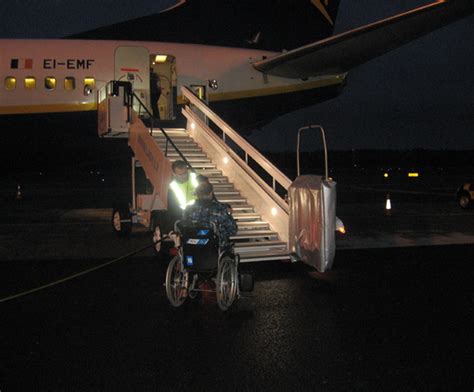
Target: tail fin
299	22
261	24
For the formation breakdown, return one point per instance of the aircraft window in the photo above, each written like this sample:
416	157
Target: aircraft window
10	83
49	83
89	85
69	83
30	83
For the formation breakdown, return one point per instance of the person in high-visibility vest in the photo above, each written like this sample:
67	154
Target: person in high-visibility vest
184	184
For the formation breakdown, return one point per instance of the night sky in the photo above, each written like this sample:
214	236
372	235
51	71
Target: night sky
419	96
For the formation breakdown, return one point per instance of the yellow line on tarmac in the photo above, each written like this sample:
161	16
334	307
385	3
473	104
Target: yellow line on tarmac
22	294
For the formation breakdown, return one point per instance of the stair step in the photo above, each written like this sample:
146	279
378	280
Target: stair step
182	147
260	246
231	200
246	216
259	223
226	192
210	173
254	234
194	161
203	165
242	207
224	186
265	256
254	225
177	142
170	132
196	154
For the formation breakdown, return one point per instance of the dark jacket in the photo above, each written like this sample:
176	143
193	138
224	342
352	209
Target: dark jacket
207	212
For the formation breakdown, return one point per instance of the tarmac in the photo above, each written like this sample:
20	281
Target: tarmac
31	233
395	314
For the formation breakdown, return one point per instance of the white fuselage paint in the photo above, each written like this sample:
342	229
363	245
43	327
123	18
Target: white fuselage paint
196	64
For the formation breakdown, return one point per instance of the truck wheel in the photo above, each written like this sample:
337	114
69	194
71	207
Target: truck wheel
122	220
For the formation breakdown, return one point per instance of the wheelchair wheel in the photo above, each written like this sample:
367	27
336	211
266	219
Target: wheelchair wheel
175	282
226	285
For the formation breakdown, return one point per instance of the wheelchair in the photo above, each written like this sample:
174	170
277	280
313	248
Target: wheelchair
200	259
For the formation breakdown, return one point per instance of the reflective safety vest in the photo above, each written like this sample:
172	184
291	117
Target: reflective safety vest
185	191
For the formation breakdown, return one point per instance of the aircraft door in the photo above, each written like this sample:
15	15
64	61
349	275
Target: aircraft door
163	86
131	64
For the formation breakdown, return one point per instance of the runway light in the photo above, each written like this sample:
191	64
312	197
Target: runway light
413	174
225	160
388	203
274	211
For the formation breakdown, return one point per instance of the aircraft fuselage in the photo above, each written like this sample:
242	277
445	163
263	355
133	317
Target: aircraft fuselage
41	76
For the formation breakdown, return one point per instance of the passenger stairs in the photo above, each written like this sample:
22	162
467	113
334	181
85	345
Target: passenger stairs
241	176
255	239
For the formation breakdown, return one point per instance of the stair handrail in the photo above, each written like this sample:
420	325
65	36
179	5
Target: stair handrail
323	135
167	137
227	130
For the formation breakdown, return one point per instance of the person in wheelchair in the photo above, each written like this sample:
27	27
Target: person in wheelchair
207	211
206	261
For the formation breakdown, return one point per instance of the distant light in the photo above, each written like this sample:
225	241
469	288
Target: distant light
388	203
225	160
274	211
161	58
385	175
193	126
413	174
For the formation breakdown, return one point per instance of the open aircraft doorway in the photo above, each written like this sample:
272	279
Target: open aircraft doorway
131	65
163	86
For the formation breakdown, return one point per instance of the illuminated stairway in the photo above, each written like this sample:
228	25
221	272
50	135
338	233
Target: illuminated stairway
255	239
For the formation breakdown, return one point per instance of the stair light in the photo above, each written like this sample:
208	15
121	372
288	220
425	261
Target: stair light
193	126
225	160
274	211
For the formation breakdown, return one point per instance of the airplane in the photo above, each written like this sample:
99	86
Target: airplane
251	60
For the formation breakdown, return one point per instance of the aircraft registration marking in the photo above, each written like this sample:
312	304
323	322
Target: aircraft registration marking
68	63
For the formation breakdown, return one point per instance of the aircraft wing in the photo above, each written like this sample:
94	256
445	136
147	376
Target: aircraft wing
344	51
